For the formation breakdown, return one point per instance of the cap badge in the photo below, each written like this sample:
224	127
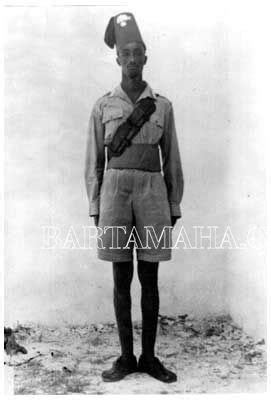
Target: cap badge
122	19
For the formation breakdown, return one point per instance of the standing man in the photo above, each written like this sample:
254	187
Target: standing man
131	129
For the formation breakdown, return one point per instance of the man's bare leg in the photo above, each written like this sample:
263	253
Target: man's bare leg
148	276
123	275
126	363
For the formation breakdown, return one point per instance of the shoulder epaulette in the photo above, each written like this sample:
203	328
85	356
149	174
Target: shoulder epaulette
106	94
159	95
163	98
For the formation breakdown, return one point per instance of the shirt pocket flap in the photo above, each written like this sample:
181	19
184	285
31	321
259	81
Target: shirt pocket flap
157	119
111	114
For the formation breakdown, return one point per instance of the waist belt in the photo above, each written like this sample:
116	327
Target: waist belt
145	157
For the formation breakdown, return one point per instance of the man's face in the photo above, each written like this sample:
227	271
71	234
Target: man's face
132	59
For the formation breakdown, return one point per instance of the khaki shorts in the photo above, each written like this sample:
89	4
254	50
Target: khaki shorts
134	213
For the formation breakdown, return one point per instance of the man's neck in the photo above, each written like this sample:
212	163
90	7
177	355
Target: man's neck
133	87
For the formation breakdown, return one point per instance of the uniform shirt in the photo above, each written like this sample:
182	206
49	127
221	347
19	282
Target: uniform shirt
107	114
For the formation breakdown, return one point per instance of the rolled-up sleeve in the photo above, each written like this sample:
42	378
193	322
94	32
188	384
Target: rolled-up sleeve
95	159
172	167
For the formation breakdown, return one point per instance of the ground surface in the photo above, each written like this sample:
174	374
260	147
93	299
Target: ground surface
210	355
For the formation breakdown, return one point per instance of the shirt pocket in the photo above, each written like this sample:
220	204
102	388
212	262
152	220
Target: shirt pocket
152	130
112	118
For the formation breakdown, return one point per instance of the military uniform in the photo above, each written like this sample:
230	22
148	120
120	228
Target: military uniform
139	187
131	196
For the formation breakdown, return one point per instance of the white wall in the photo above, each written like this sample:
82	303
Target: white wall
246	278
56	67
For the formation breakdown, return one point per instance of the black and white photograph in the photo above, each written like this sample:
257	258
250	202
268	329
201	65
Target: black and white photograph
135	198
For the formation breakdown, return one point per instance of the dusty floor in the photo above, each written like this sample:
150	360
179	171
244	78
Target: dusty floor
210	355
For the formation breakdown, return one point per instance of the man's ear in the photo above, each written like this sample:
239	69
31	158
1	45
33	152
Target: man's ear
146	59
117	60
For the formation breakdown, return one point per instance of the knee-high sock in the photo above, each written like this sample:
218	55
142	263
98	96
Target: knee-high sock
123	274
148	276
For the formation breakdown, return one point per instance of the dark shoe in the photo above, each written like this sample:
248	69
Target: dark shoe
155	368
120	368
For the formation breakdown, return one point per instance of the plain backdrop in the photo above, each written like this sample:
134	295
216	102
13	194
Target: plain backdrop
205	61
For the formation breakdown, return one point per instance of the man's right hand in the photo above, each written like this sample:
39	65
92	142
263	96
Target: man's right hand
96	220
